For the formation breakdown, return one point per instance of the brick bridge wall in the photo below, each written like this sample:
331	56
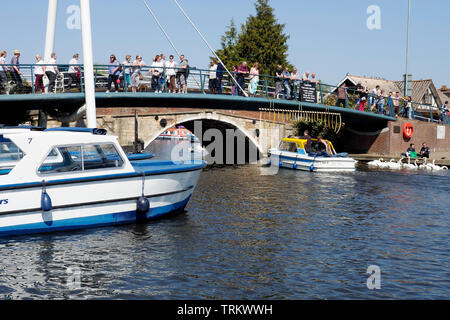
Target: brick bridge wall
390	141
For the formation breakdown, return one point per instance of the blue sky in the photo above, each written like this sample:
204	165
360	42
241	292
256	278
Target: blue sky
329	37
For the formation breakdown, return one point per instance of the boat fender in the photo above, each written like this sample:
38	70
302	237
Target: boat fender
46	201
269	162
295	165
142	205
280	164
311	167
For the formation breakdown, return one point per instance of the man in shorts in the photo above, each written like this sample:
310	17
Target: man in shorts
181	75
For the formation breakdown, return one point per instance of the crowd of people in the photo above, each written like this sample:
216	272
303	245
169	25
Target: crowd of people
171	76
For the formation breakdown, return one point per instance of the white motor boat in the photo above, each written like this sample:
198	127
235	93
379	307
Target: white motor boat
72	178
292	154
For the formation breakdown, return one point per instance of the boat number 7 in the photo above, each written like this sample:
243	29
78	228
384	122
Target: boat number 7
29	140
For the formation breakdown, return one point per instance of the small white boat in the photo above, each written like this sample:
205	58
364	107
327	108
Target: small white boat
292	154
72	178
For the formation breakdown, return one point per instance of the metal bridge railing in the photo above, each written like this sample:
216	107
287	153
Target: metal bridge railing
198	82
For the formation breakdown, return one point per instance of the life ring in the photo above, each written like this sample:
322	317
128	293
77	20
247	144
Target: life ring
408	130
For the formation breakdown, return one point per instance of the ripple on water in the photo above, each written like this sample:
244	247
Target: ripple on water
293	235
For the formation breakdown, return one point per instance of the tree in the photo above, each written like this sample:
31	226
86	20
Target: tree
262	40
228	53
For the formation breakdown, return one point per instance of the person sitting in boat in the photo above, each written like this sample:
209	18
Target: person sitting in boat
323	145
307	137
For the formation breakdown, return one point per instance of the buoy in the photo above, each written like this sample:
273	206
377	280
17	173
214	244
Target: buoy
408	130
46	201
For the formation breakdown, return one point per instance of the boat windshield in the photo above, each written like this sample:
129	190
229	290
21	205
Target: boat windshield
81	158
288	146
10	154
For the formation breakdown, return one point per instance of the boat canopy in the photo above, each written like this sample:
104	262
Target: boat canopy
298	145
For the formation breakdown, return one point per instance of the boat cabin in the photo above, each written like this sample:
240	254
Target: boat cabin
297	145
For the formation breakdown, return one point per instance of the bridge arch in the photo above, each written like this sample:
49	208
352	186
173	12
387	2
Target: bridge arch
229	121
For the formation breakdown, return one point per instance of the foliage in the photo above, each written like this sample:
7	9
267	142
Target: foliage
316	128
228	54
261	39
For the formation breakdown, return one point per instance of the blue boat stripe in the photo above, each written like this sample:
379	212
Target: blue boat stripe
98	178
96	202
115	218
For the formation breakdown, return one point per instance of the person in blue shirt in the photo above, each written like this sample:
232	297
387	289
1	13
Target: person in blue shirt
444	112
219	76
286	75
113	72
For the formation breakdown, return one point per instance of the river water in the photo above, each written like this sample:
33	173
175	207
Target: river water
293	235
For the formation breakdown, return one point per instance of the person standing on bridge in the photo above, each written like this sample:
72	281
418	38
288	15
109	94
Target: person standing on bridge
73	72
126	71
295	78
3	76
287	83
113	72
15	71
170	74
39	72
51	72
254	79
157	70
242	72
341	96
219	76
278	82
136	67
212	77
181	75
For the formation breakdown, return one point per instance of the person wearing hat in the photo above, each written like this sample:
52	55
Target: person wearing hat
15	71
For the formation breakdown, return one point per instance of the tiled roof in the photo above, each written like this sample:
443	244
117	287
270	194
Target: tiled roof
419	89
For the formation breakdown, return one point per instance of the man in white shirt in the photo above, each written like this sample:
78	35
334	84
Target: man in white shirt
73	73
212	77
51	72
306	76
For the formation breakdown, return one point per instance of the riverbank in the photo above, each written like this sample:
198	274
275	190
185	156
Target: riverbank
440	158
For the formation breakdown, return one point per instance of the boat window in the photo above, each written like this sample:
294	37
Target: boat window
288	146
99	156
79	158
10	154
62	159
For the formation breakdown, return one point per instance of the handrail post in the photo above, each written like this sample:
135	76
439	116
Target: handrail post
321	93
431	114
81	78
266	87
202	83
346	98
33	90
